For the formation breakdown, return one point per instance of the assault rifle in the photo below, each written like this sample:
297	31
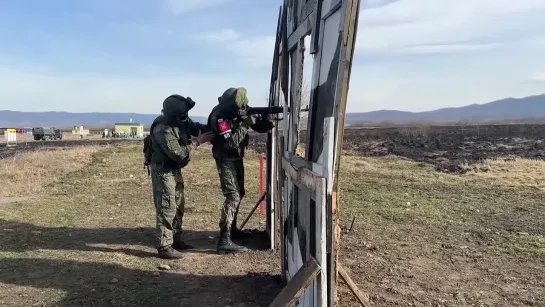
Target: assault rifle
266	112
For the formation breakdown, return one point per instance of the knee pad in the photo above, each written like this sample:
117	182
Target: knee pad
232	197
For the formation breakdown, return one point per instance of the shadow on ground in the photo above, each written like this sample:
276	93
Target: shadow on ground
79	283
100	284
20	237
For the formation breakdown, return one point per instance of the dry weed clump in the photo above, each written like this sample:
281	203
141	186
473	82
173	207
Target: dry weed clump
27	173
300	150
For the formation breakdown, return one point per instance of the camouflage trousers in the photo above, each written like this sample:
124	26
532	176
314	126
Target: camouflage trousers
168	197
231	174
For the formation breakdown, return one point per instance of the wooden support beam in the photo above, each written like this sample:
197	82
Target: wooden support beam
303	29
315	39
297	285
364	301
308	8
281	207
335	238
301	175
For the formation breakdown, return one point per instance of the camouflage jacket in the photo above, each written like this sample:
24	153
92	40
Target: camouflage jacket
172	144
231	138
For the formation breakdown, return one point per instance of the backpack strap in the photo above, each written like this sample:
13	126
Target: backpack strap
149	140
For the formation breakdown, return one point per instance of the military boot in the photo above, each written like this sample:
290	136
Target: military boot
225	245
236	233
168	252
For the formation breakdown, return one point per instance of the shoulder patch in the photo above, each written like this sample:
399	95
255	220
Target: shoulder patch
224	128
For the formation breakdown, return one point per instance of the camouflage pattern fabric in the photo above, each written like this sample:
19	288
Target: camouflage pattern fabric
241	98
235	97
231	136
228	148
231	174
168	197
171	143
172	148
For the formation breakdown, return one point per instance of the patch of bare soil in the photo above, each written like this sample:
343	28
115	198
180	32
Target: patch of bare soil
450	148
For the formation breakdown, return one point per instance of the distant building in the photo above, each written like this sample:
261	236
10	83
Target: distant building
20	131
129	129
80	131
10	136
96	131
25	130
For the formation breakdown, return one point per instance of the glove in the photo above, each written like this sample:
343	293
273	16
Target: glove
249	120
269	125
204	138
242	112
262	126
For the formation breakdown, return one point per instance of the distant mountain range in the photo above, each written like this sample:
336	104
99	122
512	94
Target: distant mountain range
529	108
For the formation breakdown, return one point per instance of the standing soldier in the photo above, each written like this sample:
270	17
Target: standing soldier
172	142
230	125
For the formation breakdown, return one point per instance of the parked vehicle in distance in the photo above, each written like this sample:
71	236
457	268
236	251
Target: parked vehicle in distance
46	133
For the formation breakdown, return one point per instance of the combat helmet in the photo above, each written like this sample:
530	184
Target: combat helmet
236	98
176	108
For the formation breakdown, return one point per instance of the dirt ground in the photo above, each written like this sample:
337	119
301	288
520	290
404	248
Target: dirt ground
420	237
444	216
449	147
446	147
424	238
87	239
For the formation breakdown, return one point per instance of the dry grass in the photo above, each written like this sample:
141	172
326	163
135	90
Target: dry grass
512	172
421	238
300	150
426	238
28	173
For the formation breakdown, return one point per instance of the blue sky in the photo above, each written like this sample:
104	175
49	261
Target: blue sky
118	56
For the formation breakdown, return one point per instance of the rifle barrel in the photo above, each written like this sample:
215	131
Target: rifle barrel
265	110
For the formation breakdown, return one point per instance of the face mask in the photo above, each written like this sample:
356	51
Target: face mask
182	118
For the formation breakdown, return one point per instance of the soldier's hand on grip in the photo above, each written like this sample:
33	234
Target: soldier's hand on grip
205	138
249	120
269	125
262	126
242	113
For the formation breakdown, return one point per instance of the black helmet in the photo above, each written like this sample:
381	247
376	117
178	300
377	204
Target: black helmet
176	107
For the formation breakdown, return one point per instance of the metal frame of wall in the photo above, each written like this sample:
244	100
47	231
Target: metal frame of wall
302	192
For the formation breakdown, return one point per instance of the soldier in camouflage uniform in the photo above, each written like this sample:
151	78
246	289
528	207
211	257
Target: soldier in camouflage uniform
172	142
230	126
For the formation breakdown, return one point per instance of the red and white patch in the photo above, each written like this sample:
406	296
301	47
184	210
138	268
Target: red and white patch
224	127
